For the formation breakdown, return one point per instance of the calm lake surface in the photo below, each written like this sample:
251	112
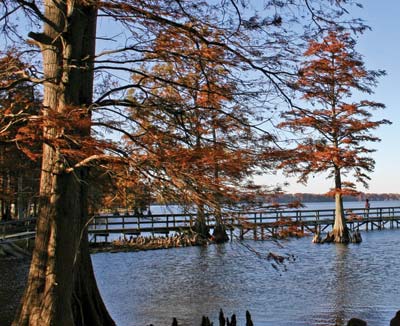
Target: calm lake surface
325	285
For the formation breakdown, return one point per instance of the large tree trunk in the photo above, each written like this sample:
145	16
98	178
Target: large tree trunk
200	225
340	230
220	235
61	288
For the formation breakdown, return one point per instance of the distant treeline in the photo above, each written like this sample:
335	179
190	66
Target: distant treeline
305	197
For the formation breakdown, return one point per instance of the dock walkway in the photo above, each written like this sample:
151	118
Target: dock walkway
262	222
259	223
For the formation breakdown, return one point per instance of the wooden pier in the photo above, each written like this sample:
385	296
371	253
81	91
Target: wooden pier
258	224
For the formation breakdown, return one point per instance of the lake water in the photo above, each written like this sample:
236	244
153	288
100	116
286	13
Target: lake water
324	285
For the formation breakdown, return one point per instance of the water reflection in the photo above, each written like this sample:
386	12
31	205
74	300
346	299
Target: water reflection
327	284
343	290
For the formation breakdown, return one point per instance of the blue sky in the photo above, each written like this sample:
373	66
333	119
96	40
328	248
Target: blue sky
381	50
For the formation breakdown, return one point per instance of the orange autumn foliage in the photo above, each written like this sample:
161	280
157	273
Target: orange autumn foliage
335	129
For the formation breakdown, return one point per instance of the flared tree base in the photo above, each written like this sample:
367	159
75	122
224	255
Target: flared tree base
340	237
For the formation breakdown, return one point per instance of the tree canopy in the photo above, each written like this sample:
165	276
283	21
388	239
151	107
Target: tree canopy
335	128
138	83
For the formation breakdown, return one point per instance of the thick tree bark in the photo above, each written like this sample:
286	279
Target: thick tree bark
340	230
61	288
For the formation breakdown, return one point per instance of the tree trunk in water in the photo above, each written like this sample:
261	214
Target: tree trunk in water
200	226
61	288
340	230
220	235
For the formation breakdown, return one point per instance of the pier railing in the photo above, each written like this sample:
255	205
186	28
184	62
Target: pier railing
15	229
125	224
270	220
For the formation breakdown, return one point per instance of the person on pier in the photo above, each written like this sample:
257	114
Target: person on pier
367	207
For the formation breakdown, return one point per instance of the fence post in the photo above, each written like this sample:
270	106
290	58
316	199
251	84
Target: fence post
152	226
